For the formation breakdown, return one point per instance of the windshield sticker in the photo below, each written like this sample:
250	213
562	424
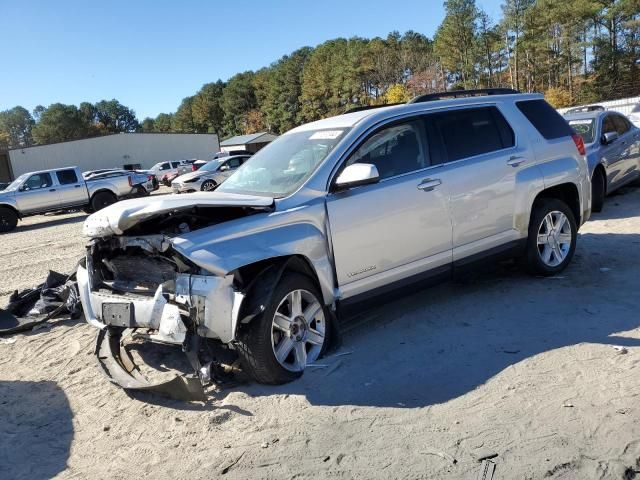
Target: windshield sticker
326	135
580	122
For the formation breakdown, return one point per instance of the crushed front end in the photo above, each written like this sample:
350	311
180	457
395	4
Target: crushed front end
135	284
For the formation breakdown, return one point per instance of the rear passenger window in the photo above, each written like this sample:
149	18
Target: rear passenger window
547	121
67	177
474	131
393	150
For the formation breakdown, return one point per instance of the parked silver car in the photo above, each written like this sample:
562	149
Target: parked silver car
209	176
332	213
612	143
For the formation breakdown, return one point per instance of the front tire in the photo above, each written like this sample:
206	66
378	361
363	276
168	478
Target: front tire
101	200
289	334
552	237
8	219
598	189
208	186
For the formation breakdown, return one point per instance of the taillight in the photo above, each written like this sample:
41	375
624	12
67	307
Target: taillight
131	180
577	139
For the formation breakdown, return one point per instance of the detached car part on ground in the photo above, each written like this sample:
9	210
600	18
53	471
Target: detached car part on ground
328	214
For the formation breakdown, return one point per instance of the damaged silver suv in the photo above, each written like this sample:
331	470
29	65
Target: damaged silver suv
328	214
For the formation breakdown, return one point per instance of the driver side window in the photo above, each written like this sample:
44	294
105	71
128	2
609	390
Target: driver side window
38	181
393	150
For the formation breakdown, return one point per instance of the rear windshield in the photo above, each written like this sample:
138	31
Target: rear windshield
547	121
585	128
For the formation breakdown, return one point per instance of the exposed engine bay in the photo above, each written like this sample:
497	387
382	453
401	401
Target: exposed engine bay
137	286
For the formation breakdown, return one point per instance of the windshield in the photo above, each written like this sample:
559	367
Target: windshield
13	185
584	128
211	166
281	167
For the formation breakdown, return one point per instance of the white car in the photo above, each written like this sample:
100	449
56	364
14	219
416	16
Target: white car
634	115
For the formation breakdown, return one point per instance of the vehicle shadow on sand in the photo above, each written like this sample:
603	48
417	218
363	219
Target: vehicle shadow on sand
441	343
36	430
50	223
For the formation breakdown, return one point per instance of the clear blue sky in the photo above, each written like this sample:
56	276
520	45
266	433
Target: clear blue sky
151	54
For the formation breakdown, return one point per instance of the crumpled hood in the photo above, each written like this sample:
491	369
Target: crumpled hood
119	217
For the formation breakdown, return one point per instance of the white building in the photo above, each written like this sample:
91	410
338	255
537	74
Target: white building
123	150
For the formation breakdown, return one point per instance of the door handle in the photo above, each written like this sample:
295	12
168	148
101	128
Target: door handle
77	186
429	184
52	190
514	160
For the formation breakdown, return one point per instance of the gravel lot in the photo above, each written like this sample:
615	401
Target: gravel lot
422	387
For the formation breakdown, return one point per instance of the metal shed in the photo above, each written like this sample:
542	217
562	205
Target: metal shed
252	142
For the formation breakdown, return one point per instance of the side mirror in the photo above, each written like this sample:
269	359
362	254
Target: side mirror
609	137
23	188
357	174
224	168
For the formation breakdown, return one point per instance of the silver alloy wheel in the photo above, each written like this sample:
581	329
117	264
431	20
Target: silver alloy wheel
554	238
208	185
298	330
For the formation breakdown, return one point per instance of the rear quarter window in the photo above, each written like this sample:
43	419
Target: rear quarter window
545	119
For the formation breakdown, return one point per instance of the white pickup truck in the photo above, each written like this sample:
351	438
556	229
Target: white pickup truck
44	191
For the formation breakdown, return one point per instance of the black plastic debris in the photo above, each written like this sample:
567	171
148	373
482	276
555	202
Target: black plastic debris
56	297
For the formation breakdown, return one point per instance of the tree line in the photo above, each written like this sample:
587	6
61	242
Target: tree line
575	51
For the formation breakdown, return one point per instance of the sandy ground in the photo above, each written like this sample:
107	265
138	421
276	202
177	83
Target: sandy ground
503	363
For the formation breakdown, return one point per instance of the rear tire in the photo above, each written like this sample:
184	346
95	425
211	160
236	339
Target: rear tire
552	237
8	219
295	323
598	189
101	200
208	186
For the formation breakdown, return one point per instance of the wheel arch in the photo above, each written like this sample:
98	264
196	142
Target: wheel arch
11	207
566	192
259	279
102	190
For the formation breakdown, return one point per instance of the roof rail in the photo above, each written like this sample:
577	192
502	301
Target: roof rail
371	107
462	93
586	108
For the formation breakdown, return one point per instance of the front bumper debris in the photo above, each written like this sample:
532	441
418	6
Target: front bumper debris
183	311
119	367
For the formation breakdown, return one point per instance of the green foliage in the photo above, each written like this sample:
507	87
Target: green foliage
183	121
577	51
16	126
113	117
163	123
148	125
60	122
238	98
206	108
